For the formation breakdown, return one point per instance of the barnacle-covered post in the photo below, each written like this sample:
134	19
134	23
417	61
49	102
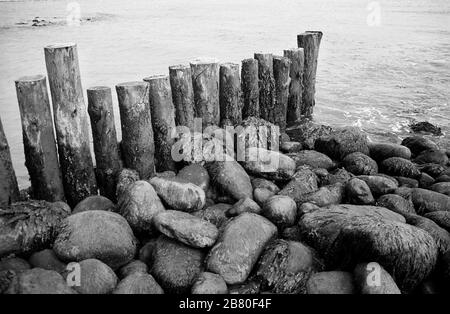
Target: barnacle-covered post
71	122
106	148
296	86
281	70
266	86
41	157
230	94
250	88
182	95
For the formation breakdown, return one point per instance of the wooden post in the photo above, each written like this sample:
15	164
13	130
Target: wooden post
281	72
182	95
137	133
310	42
41	157
163	121
230	94
266	86
106	149
295	103
9	191
205	81
250	88
71	122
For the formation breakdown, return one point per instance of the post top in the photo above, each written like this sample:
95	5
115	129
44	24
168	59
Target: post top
95	88
132	84
30	78
178	67
155	77
60	46
204	61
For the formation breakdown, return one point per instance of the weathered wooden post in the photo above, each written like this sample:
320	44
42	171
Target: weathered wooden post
71	122
281	71
41	157
250	88
205	81
295	102
106	148
163	121
310	42
182	95
266	86
230	94
9	191
137	134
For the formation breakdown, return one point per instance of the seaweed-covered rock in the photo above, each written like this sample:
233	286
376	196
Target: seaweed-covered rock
290	147
441	218
425	181
95	202
358	192
425	127
98	234
307	132
139	203
371	278
417	144
407	182
306	208
209	283
324	196
434	156
245	205
331	282
47	259
396	166
14	264
305	181
186	228
291	233
382	151
342	142
433	170
39	281
360	164
196	174
138	283
281	210
443	178
179	194
231	178
285	267
426	201
135	266
269	164
347	235
239	247
440	235
260	183
312	158
441	187
176	265
125	178
249	287
95	278
339	175
30	226
215	214
380	185
397	204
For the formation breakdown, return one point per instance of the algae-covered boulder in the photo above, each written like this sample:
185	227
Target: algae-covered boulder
426	201
98	234
396	166
397	204
380	185
281	210
358	192
39	281
360	164
435	156
342	142
307	132
382	151
417	144
196	174
95	202
324	196
125	178
440	235
441	187
347	235
312	158
269	164
442	218
239	247
305	181
47	259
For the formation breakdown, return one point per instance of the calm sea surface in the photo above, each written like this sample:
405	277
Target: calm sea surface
376	71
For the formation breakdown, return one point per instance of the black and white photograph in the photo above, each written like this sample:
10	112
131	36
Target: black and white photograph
227	155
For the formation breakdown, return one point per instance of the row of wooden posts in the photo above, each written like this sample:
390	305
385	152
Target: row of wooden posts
279	89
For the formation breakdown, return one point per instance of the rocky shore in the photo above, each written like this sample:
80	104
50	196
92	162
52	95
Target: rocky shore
339	215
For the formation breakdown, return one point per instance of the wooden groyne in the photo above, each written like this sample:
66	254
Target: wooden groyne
279	89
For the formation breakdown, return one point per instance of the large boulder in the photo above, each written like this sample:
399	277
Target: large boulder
260	183
14	264
281	210
358	192
179	194
305	181
176	265
324	196
418	144
312	158
440	235
94	202
285	267
307	132
215	214
426	201
434	156
397	204
138	283
396	166
39	281
95	278
441	218
47	259
342	142
98	234
382	151
360	164
245	205
441	187
380	185
196	174
139	203
186	228
239	247
135	266
347	235
433	170
231	178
